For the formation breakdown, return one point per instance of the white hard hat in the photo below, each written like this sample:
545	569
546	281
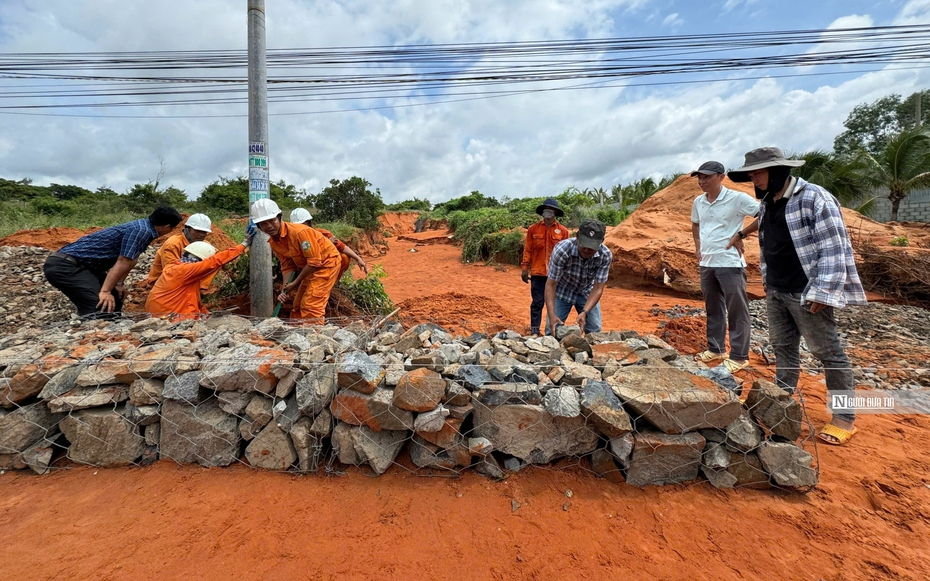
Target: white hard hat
264	209
300	215
201	250
199	222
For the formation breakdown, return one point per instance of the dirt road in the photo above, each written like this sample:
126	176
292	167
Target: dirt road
868	519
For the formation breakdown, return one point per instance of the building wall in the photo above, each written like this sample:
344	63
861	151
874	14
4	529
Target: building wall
914	208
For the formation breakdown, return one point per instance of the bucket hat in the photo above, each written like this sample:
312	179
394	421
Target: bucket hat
760	159
552	204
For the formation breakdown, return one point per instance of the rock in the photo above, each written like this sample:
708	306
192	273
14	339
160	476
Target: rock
286	384
456	395
788	464
286	413
622	449
421	390
619	352
577	374
675	401
186	388
204	434
575	344
359	372
562	331
342	444
102	437
719	375
514	464
230	323
602	463
480	446
32	378
426	455
460	412
373	410
378	449
213	342
489	467
524	374
508	393
431	421
24	426
748	471
234	402
473	376
562	402
106	372
270	327
146	391
446	437
260	411
88	397
775	409
322	424
433	361
244	368
307	445
346	338
716	456
152	434
142	415
271	449
603	408
652	355
500	366
160	362
38	457
529	433
62	382
316	389
393	373
743	434
720	479
298	343
664	459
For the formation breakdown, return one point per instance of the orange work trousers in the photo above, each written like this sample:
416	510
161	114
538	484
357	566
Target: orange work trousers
313	293
344	264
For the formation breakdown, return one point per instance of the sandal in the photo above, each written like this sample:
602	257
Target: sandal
836	436
734	365
708	356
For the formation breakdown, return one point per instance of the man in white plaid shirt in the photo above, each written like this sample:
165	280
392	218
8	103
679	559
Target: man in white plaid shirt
578	270
808	270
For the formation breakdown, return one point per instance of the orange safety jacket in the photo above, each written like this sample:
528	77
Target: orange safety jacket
169	253
177	290
540	240
297	245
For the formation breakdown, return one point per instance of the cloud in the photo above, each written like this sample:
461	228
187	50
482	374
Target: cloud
673	21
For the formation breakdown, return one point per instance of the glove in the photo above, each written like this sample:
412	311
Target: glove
247	241
525	275
251	229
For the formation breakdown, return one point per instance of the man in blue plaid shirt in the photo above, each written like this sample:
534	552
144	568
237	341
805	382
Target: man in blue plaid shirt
578	272
91	270
808	270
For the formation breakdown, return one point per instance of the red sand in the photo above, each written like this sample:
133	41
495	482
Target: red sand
868	519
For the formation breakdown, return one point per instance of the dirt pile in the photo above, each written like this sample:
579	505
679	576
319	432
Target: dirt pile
50	238
655	247
456	312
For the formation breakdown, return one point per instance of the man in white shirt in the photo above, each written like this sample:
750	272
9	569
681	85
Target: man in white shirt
715	216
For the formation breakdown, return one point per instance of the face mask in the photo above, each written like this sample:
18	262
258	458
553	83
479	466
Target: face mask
777	178
548	214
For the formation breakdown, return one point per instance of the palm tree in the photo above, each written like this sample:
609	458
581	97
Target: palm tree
846	177
903	165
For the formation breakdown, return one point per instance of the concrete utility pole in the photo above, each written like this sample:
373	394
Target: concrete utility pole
260	287
917	112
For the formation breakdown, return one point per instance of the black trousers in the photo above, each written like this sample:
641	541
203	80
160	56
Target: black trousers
538	292
80	285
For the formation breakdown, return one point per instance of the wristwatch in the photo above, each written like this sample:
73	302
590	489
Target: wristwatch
741	235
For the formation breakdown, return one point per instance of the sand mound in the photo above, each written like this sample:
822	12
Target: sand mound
49	238
398	223
654	246
456	312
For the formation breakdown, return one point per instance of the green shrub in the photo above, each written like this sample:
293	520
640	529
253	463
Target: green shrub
368	293
340	230
505	247
471	228
415	204
899	241
473	201
349	201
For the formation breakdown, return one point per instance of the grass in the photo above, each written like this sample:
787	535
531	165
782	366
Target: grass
16	216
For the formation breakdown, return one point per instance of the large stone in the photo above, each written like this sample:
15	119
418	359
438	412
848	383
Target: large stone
434	361
105	372
146	391
578	373
622	449
426	455
204	434
142	415
316	389
603	408
245	368
32	378
343	447
89	397
675	401
286	413
718	478
234	402
508	393
574	344
161	362
431	421
603	464
230	323
185	387
271	449
619	352
500	366
562	402
447	436
62	382
719	375
788	464
378	449
286	384
421	390
748	471
456	395
743	434
307	445
24	426
664	459
374	410
716	456
102	437
530	433
775	409
473	376
38	457
359	372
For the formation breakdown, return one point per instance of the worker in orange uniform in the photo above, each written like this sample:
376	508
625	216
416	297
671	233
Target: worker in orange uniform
541	238
177	290
196	229
303	250
302	216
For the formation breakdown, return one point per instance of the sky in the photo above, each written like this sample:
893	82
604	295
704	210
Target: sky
530	144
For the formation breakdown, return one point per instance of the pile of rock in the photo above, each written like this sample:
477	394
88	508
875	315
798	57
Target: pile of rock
229	389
